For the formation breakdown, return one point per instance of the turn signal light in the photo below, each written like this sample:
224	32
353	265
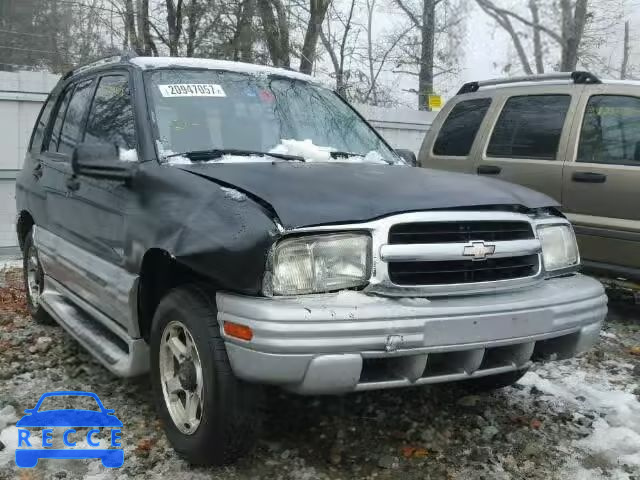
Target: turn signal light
238	331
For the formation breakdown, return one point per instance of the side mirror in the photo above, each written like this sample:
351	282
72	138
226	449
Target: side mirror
408	156
101	160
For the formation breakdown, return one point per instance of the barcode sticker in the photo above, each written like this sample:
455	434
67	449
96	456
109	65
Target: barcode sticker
192	90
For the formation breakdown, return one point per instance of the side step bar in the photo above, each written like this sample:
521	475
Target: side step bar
106	340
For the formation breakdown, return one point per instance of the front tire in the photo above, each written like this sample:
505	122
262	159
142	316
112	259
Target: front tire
33	276
210	417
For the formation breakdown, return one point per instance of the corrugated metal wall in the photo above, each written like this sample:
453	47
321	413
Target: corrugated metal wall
22	94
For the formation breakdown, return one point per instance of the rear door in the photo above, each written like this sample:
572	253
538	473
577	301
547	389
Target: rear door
601	190
528	137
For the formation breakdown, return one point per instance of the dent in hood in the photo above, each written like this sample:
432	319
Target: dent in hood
314	194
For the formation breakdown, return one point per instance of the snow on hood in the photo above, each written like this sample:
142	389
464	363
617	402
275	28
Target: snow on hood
316	153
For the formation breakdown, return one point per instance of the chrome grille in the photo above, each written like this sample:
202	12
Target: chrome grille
462	271
460	252
449	232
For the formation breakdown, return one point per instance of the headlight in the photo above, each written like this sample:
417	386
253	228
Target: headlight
559	247
319	263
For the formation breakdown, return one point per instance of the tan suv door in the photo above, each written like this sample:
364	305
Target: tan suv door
601	191
528	137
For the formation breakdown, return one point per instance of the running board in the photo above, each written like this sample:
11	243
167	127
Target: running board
102	337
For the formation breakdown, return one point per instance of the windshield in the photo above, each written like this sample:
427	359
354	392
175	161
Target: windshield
195	110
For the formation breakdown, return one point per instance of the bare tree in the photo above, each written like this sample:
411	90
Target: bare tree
435	51
625	52
567	34
317	13
244	35
276	31
336	43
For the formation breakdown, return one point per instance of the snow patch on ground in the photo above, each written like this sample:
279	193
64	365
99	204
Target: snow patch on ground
606	396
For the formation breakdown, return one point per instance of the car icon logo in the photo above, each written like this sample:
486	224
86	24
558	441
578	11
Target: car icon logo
28	452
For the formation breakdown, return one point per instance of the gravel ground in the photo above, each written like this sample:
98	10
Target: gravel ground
572	419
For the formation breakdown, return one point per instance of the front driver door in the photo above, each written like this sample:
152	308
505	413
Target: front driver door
99	206
601	190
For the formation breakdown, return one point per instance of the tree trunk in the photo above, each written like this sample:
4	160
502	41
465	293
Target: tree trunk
537	42
130	23
318	10
276	31
372	77
193	20
573	23
625	52
243	38
425	76
144	29
174	22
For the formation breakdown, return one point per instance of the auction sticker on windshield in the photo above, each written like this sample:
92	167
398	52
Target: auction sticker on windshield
192	90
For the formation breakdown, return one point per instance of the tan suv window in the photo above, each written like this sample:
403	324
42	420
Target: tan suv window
529	127
460	128
611	131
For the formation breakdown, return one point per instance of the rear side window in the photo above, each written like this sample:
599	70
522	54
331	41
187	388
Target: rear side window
611	131
111	117
529	127
41	124
73	119
460	128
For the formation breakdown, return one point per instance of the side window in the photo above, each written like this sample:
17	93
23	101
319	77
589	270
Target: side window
57	124
73	119
41	123
111	116
611	130
460	127
529	127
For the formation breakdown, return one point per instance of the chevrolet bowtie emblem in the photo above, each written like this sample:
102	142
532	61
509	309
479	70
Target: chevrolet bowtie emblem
478	250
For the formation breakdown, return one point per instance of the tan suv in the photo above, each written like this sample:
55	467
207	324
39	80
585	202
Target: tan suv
569	135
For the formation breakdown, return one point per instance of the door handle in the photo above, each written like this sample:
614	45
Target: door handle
588	177
72	184
37	171
489	170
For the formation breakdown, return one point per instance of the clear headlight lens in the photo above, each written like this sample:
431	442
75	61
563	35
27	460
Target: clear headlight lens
559	247
320	263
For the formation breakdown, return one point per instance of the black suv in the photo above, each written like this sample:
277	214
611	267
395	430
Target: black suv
225	225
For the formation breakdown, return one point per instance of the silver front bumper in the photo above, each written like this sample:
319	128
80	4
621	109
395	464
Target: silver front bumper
352	341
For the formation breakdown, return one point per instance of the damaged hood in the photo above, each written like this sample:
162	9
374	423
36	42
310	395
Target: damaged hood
307	194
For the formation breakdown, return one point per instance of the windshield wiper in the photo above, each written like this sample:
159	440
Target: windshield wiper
203	155
339	154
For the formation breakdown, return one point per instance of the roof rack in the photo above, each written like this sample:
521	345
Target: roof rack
116	58
578	78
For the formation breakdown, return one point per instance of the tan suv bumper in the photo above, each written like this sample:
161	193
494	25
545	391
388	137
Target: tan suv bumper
351	341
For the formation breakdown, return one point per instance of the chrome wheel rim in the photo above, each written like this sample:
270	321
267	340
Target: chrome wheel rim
181	377
33	276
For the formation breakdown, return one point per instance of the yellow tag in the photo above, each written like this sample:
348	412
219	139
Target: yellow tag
435	101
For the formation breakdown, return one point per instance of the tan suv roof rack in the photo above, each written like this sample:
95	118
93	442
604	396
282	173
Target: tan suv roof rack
577	78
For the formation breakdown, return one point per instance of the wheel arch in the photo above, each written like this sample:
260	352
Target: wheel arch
24	223
160	272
